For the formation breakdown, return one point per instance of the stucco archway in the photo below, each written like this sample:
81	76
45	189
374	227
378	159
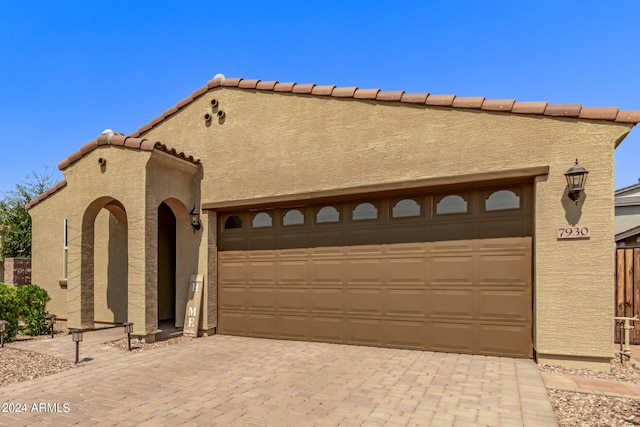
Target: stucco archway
175	258
104	263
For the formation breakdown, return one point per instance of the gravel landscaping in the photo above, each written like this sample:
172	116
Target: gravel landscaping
582	409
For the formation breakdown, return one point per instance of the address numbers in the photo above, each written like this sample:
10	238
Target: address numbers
573	232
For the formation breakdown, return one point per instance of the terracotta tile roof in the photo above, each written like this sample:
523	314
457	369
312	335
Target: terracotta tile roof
124	141
115	139
46	194
577	111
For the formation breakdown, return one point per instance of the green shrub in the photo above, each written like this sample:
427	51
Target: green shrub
9	310
32	303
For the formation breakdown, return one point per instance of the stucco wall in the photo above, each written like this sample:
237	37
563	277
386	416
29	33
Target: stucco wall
47	221
272	144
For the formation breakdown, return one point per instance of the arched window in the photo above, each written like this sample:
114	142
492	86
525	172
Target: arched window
451	204
293	217
327	214
406	208
262	220
234	221
364	211
502	200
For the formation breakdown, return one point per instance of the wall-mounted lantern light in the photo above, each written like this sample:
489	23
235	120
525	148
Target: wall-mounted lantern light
195	219
51	318
76	336
3	327
576	179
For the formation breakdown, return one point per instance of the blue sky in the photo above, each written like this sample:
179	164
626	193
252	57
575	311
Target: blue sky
69	69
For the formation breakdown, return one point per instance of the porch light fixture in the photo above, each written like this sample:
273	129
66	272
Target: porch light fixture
576	179
3	327
76	336
128	329
195	219
51	318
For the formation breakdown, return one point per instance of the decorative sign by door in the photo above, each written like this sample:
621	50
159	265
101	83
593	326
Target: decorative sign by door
192	315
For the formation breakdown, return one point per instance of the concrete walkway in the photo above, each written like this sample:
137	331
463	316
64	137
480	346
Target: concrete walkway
591	385
236	381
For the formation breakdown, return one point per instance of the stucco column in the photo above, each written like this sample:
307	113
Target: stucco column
80	271
210	255
142	310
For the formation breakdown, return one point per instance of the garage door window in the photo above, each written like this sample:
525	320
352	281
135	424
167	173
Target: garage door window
234	221
364	211
262	220
327	214
406	208
451	204
502	200
293	217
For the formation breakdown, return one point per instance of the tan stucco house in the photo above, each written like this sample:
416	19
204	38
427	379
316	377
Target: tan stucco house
344	215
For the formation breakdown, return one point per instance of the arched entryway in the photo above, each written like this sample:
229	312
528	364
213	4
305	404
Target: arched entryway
166	264
105	263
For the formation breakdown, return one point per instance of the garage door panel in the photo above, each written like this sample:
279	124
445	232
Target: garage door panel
451	303
232	323
326	271
261	298
232	297
326	238
405	334
293	272
261	242
506	227
505	304
406	302
404	271
452	269
505	245
362	236
452	231
292	240
452	337
404	234
231	271
327	329
505	268
363	271
504	340
294	327
262	272
455	247
365	301
293	299
261	325
327	300
364	332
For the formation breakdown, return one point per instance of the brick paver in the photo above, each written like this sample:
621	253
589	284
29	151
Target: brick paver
223	380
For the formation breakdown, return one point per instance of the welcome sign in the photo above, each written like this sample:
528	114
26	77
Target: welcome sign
192	315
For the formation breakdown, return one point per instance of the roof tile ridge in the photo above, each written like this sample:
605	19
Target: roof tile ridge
446	100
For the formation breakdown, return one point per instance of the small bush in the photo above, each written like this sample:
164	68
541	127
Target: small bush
9	310
32	303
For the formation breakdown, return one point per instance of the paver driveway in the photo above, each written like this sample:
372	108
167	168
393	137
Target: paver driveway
224	380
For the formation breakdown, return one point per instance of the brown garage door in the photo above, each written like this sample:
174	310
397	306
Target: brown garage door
447	272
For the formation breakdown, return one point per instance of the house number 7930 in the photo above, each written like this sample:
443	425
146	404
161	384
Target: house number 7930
573	232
